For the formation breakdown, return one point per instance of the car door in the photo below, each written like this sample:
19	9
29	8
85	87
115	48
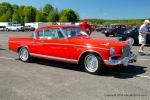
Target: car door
51	43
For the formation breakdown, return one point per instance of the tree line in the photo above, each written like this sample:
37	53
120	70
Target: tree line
24	14
126	22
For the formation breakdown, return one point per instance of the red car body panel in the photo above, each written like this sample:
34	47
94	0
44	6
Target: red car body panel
68	49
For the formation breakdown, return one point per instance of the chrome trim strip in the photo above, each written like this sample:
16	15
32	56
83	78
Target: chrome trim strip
132	58
34	35
59	44
55	58
123	61
21	42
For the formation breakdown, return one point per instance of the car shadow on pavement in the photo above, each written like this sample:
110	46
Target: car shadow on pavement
147	54
57	64
130	71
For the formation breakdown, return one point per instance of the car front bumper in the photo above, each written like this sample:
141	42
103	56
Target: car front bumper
125	61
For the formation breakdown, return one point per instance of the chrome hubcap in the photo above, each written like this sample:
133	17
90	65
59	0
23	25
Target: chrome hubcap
130	41
24	54
91	63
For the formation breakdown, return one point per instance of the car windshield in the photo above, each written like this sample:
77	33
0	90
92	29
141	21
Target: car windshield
73	31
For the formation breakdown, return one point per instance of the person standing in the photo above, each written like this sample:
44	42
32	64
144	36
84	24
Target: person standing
143	31
86	27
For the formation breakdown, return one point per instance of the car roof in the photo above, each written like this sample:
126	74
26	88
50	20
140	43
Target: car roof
57	26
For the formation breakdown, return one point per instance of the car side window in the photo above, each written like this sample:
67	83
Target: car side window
71	32
50	34
40	34
60	34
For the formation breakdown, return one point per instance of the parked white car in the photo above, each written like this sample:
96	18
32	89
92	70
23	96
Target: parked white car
15	27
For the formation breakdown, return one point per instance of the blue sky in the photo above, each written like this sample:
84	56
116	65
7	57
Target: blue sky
105	9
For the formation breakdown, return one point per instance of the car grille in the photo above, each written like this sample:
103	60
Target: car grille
126	50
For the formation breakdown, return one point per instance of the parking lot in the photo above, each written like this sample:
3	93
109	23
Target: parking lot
49	80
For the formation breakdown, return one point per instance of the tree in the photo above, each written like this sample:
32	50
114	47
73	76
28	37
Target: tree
6	11
63	19
29	14
69	14
96	21
40	16
34	10
4	18
21	14
15	16
47	9
53	17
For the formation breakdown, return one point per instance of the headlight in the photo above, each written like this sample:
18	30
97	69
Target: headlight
112	50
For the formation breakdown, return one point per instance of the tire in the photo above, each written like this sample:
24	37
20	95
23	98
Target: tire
115	35
17	30
93	64
107	35
24	54
7	29
130	40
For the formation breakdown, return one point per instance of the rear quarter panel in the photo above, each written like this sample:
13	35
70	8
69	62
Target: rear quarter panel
15	42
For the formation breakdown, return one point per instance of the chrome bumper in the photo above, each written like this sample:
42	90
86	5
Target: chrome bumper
125	61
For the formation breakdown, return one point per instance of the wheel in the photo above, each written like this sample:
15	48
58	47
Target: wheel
115	35
7	29
17	30
24	54
93	64
107	35
130	40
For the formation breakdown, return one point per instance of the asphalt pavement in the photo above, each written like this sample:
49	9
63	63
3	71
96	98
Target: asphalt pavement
49	80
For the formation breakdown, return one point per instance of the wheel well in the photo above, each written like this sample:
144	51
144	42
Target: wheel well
20	48
85	53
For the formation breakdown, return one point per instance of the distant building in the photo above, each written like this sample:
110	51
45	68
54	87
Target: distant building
38	24
4	24
41	24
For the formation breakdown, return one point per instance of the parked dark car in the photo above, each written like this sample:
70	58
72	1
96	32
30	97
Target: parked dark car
115	30
148	28
29	28
100	29
108	31
132	34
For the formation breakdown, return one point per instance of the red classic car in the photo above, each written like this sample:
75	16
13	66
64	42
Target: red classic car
72	45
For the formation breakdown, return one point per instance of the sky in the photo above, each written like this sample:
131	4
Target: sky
103	9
